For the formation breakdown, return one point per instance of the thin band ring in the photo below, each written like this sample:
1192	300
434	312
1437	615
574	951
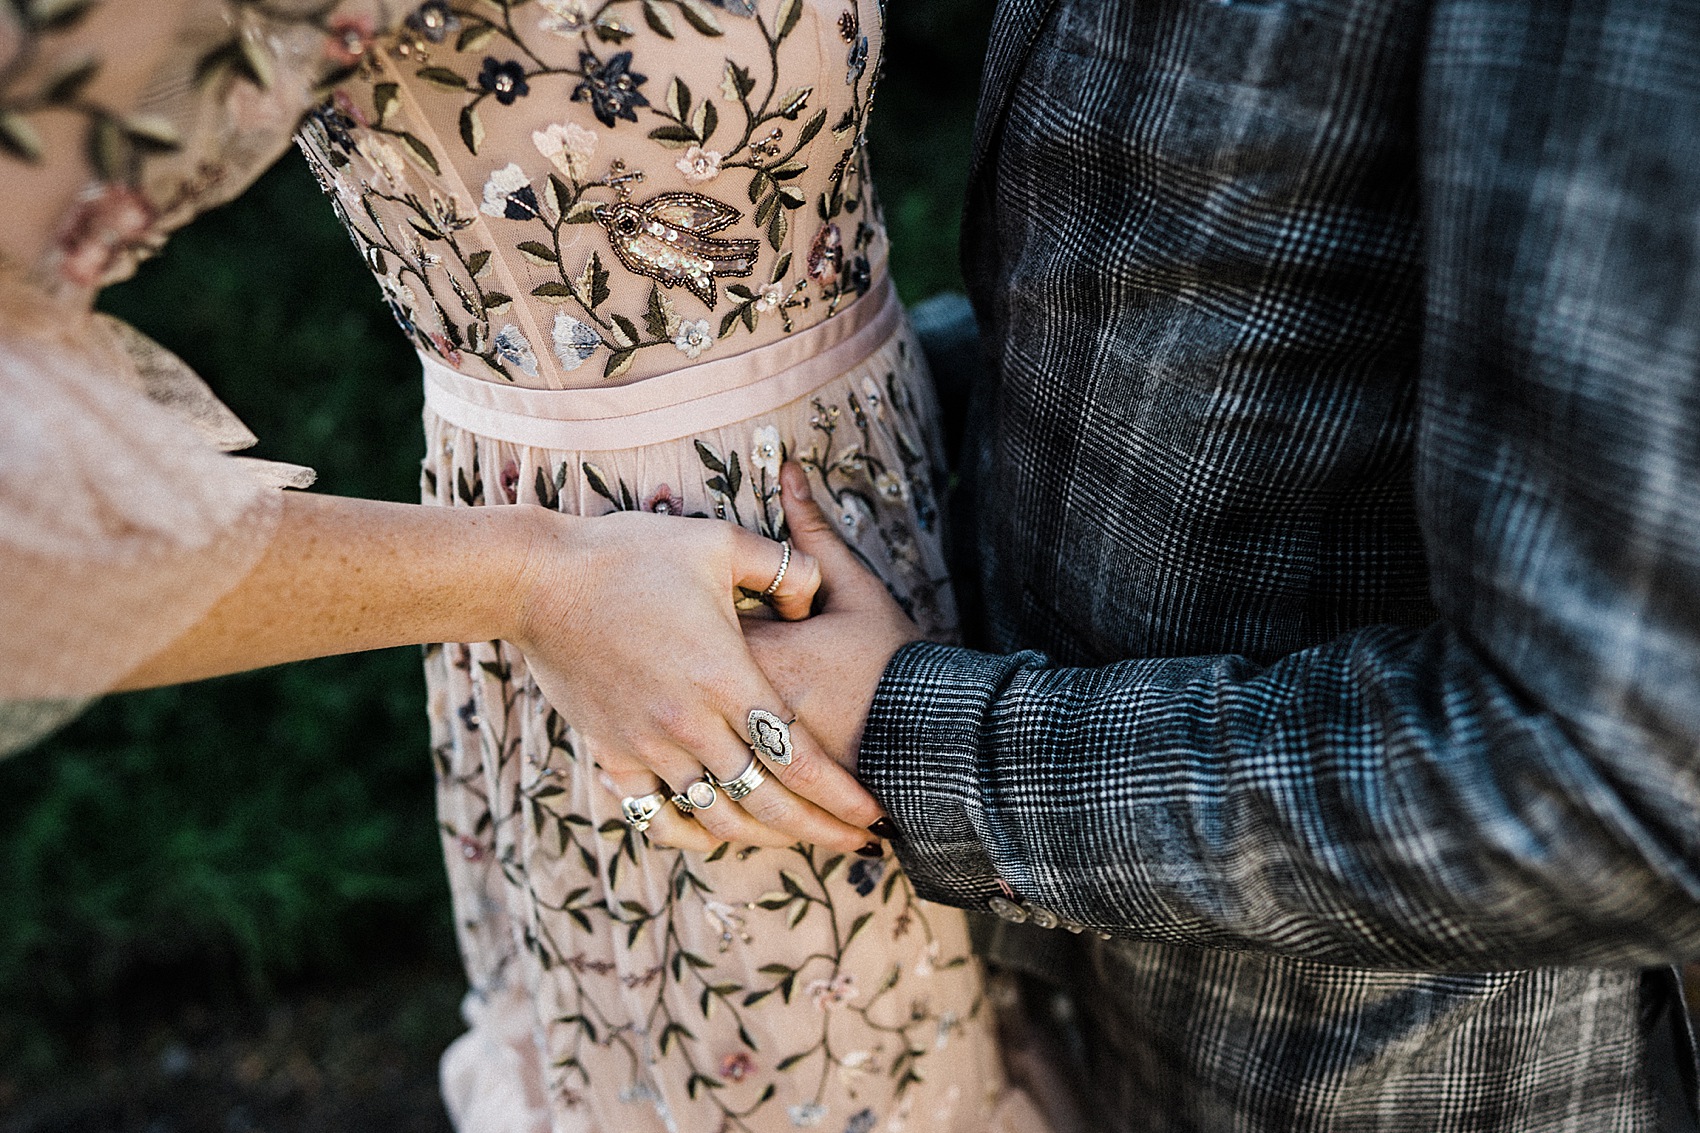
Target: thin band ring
746	781
784	565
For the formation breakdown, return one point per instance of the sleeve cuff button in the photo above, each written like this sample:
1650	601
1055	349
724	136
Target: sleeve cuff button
1007	909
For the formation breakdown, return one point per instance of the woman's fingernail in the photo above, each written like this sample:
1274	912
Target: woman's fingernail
799	480
872	850
885	828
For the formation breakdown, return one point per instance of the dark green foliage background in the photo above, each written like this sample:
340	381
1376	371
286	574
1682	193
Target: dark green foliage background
272	826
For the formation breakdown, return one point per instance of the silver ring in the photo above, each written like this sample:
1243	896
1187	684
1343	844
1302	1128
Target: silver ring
701	794
746	781
784	565
685	806
640	810
770	735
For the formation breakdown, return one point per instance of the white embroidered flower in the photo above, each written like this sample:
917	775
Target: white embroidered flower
693	337
830	994
948	1022
508	194
768	298
574	341
892	486
807	1115
857	1064
566	17
699	164
766	452
568	146
726	921
389	170
930	957
512	347
872	396
853	515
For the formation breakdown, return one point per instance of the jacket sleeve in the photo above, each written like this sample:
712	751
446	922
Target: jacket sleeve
1517	784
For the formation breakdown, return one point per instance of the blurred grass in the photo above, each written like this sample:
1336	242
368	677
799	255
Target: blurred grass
238	833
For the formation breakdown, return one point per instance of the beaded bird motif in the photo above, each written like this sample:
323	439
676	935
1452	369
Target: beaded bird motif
668	238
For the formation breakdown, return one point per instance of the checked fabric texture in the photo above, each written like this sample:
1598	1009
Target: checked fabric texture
1335	493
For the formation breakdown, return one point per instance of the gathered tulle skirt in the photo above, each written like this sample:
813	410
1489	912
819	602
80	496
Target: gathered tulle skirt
621	986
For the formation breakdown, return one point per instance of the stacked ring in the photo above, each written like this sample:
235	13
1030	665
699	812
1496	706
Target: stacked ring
746	781
685	806
640	810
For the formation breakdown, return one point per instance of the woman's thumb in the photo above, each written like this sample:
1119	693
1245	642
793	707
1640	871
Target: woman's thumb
811	531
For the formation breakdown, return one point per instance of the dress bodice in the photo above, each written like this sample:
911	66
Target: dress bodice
568	193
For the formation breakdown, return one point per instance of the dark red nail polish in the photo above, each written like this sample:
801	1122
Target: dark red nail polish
872	850
885	828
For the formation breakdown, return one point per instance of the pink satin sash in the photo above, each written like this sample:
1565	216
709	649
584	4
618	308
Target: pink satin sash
709	395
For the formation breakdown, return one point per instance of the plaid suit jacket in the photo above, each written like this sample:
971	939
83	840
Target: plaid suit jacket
1335	494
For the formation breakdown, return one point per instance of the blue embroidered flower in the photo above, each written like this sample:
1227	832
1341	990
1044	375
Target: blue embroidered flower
505	80
862	1121
434	20
512	347
611	87
865	874
858	60
508	194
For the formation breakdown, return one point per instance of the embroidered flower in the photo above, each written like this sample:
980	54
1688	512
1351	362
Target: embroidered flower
948	1022
766	452
726	921
471	849
862	1121
663	502
859	276
566	17
744	8
434	21
449	213
826	255
929	958
737	1066
447	349
510	480
857	62
468	714
865	874
807	1115
337	123
568	146
892	486
699	164
512	347
574	341
769	297
873	396
693	338
347	39
831	994
388	168
853	515
505	80
611	87
848	25
508	194
402	302
856	1064
99	230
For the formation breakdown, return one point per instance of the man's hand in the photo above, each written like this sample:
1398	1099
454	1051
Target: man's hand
828	666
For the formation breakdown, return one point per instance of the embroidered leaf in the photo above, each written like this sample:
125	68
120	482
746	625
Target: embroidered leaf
422	226
748	313
545	496
700	16
705	120
538	252
856	926
54	15
110	152
611	30
773	900
735	83
68	83
471	128
777	228
495	300
791	197
421	151
673	137
467	303
759	184
477	262
659	318
385	98
553	292
781	266
764	211
553	194
594	477
713	464
739	291
727	322
794	101
678	98
788	170
592	282
624	331
255	62
618	363
582	212
443	77
658	18
789	13
467	495
791	1060
474	37
756	997
18	137
810	129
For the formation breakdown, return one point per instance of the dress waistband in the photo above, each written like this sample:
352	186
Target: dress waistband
696	399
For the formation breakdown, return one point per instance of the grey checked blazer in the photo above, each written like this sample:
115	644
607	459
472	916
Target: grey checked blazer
1335	506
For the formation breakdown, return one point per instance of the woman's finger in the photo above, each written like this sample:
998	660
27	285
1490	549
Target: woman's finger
624	779
841	573
772	804
757	562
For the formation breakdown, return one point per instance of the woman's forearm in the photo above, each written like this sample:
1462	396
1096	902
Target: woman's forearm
344	575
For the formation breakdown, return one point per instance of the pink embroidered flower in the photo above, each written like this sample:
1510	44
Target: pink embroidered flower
568	146
446	349
510	481
828	995
737	1066
348	38
769	297
470	848
347	105
826	255
664	502
100	230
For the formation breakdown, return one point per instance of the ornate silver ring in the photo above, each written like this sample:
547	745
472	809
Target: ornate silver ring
769	735
746	781
685	806
701	794
640	810
784	565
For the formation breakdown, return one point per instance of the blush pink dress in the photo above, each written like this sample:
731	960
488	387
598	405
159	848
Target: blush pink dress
637	249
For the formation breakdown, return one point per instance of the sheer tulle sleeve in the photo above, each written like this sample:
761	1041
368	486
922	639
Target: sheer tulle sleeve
122	517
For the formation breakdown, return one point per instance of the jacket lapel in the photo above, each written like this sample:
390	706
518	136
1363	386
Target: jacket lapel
1014	27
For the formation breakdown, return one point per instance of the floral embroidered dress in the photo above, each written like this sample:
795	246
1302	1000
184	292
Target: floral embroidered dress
634	244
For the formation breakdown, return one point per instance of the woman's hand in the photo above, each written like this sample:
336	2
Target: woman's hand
628	625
